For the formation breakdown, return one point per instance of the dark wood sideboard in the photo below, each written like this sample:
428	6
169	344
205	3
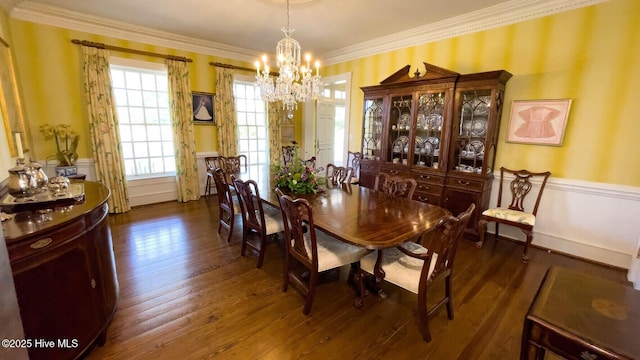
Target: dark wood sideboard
61	256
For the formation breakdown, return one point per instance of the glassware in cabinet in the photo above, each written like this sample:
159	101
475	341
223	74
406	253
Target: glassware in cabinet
429	129
372	128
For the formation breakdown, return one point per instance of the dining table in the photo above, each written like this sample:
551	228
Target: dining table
356	214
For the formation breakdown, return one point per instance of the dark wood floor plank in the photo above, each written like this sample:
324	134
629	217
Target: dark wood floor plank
187	294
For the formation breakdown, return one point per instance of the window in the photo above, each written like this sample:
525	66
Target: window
144	121
252	123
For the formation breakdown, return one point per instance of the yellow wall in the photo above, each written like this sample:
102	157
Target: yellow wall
591	55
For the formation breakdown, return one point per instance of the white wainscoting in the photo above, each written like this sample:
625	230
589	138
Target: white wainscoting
589	220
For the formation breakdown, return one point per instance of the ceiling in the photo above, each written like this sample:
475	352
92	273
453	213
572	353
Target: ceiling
250	27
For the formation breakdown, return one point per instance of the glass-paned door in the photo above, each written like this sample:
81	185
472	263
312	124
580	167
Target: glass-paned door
429	123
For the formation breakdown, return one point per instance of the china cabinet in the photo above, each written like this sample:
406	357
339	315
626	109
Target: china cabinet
440	128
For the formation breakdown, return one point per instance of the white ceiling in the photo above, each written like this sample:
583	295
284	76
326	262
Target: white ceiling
244	28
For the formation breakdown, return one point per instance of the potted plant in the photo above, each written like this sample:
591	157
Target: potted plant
66	144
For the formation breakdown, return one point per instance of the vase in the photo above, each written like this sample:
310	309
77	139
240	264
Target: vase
67	170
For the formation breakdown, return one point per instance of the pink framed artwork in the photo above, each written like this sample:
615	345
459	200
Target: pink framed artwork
541	122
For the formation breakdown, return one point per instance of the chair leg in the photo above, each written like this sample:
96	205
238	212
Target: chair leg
482	227
287	269
311	291
207	186
529	234
449	297
261	252
359	278
423	317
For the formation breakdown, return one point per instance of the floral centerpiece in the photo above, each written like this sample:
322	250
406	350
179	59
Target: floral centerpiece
66	142
296	177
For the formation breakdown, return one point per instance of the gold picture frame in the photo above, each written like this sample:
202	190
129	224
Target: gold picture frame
203	108
540	122
10	106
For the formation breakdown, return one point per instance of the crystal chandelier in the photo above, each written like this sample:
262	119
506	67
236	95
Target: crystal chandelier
291	85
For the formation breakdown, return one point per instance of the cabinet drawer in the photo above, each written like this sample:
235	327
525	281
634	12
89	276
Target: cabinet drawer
570	348
428	188
428	178
465	183
369	167
46	241
396	172
432	199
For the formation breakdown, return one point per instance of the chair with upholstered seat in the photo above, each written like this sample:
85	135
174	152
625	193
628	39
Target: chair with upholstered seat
212	163
337	175
395	185
515	214
264	221
228	205
414	266
315	250
353	161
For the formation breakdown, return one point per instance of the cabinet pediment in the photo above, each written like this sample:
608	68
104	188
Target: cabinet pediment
431	72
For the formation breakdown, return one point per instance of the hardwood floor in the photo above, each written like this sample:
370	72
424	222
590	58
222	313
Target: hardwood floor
187	294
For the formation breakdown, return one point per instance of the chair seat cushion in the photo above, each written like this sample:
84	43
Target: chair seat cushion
400	269
511	215
273	220
333	253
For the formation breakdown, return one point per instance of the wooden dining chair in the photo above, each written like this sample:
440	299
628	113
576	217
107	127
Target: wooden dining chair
234	164
212	163
515	214
228	205
288	153
395	185
414	266
315	250
338	174
353	160
256	218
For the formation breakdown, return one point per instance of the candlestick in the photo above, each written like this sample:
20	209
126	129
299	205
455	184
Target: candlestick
19	146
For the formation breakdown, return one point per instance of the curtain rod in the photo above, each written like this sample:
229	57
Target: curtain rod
229	66
139	52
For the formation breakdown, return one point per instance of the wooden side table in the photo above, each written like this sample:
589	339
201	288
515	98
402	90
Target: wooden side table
582	317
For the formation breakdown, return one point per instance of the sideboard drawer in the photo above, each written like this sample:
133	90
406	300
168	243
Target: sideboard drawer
46	241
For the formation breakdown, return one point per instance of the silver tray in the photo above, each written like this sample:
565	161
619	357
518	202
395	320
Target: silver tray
75	191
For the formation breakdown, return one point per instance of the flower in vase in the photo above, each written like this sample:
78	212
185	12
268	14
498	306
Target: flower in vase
296	177
66	142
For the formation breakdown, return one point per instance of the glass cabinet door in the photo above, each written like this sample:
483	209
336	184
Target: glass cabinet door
469	138
428	131
400	124
372	128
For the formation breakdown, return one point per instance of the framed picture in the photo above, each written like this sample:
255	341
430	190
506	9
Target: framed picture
203	108
541	122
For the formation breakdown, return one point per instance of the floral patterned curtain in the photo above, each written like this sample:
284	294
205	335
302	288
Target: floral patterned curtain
103	128
180	103
274	117
226	113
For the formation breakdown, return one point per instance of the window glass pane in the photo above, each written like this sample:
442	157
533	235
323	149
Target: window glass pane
142	166
167	133
153	133
117	78
121	96
130	167
262	145
123	114
157	165
167	149
162	83
148	82
243	146
151	115
150	98
241	104
132	80
163	116
140	150
251	118
127	150
242	132
155	148
125	133
238	90
242	118
163	100
139	132
169	164
134	97
136	115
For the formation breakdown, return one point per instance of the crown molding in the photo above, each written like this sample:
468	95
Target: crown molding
72	20
495	16
484	19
